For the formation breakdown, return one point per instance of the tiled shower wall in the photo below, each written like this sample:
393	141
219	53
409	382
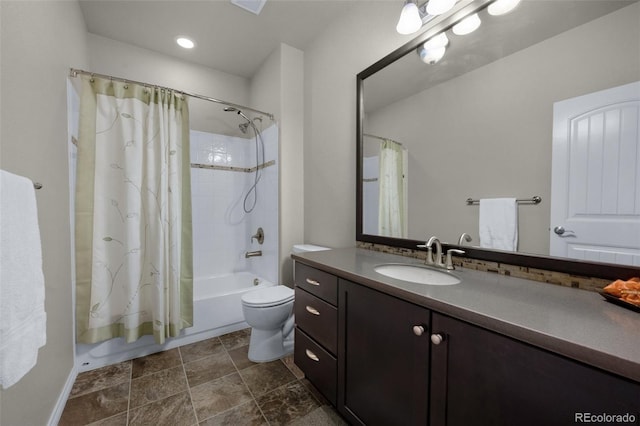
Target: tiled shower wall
221	229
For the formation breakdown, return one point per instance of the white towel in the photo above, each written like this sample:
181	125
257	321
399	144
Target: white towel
22	314
499	223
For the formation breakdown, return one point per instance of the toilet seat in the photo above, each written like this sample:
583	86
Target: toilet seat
269	296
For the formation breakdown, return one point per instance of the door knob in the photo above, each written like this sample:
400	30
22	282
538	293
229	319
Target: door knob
559	230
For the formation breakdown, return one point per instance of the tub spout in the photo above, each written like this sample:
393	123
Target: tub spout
253	253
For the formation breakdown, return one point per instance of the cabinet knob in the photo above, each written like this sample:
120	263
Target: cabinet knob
436	339
311	355
418	330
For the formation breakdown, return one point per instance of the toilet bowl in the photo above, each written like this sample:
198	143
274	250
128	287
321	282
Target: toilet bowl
269	312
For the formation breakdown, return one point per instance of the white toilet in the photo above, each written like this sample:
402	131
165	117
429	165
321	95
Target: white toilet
269	312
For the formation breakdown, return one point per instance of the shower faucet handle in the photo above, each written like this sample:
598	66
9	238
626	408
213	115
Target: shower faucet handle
258	236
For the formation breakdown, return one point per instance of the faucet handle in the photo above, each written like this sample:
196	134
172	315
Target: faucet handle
449	261
429	258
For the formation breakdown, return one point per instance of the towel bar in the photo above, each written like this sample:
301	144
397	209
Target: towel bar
533	200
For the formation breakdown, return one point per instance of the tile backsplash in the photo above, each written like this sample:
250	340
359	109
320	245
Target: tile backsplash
541	275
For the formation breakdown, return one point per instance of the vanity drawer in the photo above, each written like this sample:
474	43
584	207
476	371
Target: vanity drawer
317	318
317	364
317	282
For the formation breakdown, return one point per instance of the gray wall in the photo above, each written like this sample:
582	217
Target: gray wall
40	41
488	132
332	61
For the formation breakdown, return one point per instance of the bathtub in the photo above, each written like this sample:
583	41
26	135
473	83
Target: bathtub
217	310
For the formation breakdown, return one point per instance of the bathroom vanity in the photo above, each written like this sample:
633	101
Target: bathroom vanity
491	350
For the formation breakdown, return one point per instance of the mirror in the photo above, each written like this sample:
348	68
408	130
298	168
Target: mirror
479	123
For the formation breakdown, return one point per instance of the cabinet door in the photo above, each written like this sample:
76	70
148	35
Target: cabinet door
383	365
483	378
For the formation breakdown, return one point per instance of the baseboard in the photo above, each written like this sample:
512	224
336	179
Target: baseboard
64	395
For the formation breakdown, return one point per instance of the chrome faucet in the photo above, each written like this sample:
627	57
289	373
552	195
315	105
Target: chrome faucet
437	261
464	237
449	261
253	253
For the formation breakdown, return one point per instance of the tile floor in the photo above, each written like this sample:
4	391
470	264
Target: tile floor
211	382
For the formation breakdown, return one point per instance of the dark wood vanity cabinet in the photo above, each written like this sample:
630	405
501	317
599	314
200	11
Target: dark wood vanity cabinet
316	334
383	368
483	378
385	361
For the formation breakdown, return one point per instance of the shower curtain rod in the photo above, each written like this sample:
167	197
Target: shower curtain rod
381	138
74	73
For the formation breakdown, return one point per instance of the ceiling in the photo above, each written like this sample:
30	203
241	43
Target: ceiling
227	38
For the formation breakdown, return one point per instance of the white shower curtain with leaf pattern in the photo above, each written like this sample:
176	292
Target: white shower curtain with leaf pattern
133	213
391	209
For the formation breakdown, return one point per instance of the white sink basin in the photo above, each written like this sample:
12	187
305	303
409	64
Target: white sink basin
417	274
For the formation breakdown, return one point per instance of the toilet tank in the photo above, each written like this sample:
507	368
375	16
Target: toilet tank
304	248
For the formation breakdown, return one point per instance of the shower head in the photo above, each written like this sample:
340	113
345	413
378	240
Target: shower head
240	113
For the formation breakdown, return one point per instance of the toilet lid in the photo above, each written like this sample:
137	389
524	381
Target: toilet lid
269	296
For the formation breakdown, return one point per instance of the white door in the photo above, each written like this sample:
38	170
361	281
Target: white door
595	189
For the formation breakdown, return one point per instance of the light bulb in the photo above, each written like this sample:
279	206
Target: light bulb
185	42
500	7
410	20
431	56
467	25
438	7
440	40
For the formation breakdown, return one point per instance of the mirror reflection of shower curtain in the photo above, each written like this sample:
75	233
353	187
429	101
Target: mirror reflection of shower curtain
392	208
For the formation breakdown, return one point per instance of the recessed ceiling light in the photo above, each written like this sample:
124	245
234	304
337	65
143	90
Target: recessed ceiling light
185	42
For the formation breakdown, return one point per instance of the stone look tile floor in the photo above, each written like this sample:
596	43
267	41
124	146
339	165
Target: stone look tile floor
207	383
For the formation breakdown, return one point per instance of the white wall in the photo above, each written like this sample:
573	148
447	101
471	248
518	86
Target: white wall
41	40
331	62
119	59
278	87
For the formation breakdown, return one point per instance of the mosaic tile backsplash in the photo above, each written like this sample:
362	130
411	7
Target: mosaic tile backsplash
541	275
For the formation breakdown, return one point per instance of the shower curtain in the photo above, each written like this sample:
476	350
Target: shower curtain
134	272
391	211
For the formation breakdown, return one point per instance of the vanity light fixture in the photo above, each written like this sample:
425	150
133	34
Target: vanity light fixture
431	56
185	42
500	7
433	49
467	25
413	16
438	7
410	20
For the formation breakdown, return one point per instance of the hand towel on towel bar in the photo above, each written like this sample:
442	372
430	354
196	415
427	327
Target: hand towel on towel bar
22	314
499	223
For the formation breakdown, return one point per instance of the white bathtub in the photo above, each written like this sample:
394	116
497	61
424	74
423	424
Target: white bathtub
217	310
